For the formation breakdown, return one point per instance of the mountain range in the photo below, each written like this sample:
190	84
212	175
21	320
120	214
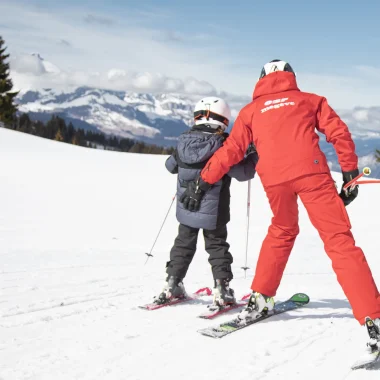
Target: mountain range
161	118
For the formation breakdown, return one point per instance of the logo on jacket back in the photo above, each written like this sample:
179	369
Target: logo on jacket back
276	104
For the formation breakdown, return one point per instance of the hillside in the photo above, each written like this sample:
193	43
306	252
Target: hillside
74	226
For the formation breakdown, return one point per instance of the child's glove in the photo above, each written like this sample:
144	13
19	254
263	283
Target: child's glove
192	197
251	149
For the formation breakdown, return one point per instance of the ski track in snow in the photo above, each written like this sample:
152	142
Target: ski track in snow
74	226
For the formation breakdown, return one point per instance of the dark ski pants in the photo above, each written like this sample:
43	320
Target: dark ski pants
185	246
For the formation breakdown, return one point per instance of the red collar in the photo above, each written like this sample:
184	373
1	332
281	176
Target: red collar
275	82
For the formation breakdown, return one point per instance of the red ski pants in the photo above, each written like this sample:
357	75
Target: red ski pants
328	215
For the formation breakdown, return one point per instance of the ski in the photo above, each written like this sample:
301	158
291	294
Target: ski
199	293
215	310
372	357
296	301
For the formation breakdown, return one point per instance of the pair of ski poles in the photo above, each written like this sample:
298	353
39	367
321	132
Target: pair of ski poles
149	254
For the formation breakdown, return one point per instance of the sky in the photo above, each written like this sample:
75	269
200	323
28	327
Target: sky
197	47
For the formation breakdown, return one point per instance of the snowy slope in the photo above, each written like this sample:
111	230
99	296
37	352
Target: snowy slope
74	226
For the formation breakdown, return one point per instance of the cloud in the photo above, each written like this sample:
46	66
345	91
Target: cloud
64	43
369	71
32	71
342	91
28	64
132	44
194	86
173	36
35	73
92	19
155	54
369	160
169	36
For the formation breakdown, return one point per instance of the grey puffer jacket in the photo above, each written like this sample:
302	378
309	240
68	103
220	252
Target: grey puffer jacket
194	149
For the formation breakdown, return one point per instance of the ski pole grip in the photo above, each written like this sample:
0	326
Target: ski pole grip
366	171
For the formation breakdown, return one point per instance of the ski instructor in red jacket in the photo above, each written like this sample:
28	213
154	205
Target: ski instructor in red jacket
281	121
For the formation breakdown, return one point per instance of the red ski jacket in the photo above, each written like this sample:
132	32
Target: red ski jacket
282	121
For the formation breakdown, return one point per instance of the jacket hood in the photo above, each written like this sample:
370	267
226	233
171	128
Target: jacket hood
273	83
195	147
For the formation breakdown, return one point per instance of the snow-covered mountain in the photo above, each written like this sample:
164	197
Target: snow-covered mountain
161	118
153	118
157	118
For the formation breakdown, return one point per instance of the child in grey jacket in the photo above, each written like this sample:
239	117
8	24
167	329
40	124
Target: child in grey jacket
194	149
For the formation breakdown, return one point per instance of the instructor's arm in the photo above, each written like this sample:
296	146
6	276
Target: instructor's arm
229	154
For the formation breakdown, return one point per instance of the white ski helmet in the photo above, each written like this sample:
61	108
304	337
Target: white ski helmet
276	65
213	111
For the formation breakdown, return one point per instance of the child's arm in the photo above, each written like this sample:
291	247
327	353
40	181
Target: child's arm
245	169
171	164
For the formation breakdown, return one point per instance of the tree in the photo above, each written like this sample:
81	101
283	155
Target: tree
58	135
7	107
25	124
377	155
137	148
75	139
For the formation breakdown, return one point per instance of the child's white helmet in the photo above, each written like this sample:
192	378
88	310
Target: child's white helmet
213	111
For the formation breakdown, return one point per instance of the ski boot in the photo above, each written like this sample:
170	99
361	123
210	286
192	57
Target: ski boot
173	289
223	294
373	328
258	305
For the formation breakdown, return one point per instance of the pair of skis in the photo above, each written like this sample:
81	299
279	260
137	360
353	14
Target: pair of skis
212	310
298	300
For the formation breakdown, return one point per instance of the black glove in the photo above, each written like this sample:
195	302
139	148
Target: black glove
251	149
192	197
351	193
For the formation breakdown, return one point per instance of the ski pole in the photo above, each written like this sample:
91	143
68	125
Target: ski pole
246	243
368	182
353	182
162	225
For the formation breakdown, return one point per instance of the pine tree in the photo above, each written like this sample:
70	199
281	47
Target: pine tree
7	107
74	140
58	135
377	155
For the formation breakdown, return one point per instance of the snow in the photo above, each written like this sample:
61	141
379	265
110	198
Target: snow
108	112
113	122
74	226
85	100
